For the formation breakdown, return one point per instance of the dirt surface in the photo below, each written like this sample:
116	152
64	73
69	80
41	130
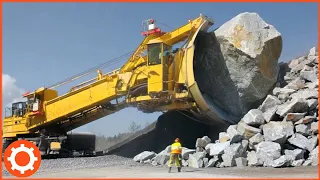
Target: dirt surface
121	167
161	172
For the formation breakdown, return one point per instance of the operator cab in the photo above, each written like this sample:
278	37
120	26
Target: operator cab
158	53
19	109
33	102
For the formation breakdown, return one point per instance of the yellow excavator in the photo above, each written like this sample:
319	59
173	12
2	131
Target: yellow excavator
156	77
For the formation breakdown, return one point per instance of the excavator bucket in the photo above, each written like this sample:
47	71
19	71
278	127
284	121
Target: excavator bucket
209	111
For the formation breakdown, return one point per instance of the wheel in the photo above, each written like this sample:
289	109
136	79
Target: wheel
5	144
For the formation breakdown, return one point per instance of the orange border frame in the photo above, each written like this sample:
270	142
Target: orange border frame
275	1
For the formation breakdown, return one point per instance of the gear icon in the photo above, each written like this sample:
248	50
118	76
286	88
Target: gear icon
29	151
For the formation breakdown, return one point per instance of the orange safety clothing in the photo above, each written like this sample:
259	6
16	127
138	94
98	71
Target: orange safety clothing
176	148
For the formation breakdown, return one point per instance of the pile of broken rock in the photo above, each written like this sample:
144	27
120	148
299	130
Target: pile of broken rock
281	132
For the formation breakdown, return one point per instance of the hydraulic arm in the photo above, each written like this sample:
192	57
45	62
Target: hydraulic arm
156	77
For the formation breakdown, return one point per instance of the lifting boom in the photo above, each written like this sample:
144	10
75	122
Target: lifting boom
155	78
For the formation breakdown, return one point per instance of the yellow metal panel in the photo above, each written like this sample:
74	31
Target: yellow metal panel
155	82
170	76
10	128
50	94
139	98
182	70
131	63
55	146
79	100
179	34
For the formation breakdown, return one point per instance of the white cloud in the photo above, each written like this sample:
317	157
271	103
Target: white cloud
10	91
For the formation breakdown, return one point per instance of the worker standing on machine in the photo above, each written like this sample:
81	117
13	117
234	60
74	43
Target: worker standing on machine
175	155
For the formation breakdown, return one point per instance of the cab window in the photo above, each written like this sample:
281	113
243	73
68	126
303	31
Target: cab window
154	54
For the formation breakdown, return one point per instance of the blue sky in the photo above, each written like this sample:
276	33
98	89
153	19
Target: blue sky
44	43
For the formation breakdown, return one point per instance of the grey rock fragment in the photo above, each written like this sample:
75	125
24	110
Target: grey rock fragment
216	148
278	131
312	103
254	118
154	163
185	163
212	162
245	145
267	150
247	131
314	157
307	68
224	137
298	140
295	106
284	97
300	66
241	162
312	85
314	127
312	143
162	159
256	139
200	149
269	107
307	162
280	162
231	153
293	155
305	120
234	150
253	159
309	76
236	139
185	152
297	163
304	129
296	84
145	155
313	52
205	162
287	91
295	62
194	161
276	91
232	130
203	142
305	94
228	161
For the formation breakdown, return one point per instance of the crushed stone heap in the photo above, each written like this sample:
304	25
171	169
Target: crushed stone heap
281	132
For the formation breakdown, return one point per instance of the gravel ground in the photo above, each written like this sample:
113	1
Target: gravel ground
115	166
55	165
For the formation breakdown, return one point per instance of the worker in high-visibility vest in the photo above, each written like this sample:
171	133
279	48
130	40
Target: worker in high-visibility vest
175	154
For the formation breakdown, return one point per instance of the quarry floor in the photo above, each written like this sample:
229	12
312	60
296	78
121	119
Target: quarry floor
161	172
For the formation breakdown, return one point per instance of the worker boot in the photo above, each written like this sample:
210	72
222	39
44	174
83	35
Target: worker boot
169	170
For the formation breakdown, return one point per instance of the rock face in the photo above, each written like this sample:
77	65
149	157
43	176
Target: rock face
145	155
241	56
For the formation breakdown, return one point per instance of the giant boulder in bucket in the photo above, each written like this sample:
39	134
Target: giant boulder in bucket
236	65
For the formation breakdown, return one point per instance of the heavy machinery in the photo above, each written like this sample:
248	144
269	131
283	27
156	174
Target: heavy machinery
156	77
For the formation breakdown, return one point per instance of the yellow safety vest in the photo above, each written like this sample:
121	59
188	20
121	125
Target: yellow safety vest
176	148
